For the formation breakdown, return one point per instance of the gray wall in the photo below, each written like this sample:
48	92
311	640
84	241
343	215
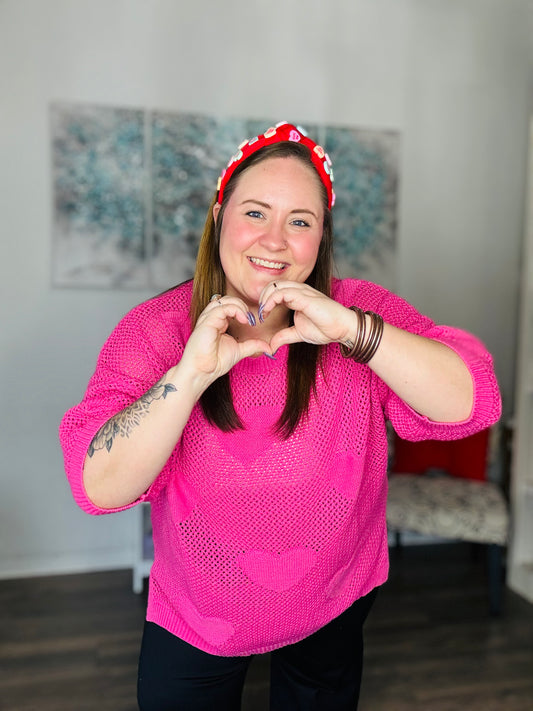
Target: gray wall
455	77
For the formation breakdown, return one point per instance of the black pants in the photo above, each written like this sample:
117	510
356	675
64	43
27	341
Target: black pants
320	673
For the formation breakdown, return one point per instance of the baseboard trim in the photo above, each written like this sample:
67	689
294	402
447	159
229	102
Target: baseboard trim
83	562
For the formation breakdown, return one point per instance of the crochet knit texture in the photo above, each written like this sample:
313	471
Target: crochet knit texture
261	541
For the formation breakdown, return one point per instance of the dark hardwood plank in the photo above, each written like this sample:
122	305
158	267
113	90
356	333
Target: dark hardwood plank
431	644
71	643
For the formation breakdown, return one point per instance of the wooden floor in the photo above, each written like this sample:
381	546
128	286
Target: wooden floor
70	643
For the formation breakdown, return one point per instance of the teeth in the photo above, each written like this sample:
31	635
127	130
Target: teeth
264	263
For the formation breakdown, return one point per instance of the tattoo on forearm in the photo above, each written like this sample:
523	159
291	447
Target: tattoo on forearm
129	418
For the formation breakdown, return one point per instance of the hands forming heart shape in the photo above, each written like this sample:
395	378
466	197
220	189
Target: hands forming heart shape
227	331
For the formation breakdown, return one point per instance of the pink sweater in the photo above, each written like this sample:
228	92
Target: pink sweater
258	541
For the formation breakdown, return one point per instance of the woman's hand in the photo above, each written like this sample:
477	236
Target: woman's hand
211	351
144	434
428	375
317	318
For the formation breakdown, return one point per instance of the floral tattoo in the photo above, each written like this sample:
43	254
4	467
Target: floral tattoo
125	421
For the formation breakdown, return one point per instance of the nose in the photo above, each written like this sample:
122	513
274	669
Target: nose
273	238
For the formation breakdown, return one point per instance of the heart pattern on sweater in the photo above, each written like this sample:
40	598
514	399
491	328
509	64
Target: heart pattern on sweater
277	571
247	445
346	473
213	629
340	581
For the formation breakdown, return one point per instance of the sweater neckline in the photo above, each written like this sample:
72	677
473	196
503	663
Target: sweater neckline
262	364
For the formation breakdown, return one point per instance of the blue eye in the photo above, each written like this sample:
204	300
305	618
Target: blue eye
300	223
254	213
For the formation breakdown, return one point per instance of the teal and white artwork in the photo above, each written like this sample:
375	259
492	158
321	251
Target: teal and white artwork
131	190
99	192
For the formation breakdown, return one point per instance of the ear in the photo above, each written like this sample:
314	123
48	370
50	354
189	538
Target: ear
216	210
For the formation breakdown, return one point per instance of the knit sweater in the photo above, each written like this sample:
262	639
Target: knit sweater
260	541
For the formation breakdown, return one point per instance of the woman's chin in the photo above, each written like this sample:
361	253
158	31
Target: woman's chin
252	295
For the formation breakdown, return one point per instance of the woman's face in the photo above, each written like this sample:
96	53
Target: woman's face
272	227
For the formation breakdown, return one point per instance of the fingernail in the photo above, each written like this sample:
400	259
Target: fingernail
251	318
260	312
268	355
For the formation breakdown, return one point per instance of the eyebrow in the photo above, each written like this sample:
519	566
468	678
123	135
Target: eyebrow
301	210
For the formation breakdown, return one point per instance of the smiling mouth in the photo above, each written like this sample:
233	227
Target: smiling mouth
267	264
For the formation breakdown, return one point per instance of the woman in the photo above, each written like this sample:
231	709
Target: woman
249	406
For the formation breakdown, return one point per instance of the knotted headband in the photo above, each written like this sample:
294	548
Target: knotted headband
281	132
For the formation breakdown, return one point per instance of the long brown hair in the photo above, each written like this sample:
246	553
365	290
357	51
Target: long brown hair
209	279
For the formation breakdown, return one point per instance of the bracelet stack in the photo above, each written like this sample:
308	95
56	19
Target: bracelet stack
365	345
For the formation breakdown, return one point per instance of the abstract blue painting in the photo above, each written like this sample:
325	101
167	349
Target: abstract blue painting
99	187
131	189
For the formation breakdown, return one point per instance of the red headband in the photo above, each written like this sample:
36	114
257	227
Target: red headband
281	132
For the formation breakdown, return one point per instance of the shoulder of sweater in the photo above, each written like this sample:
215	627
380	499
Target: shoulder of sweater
168	311
370	296
350	291
175	300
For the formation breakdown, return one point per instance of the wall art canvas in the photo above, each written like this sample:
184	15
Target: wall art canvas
99	186
131	189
